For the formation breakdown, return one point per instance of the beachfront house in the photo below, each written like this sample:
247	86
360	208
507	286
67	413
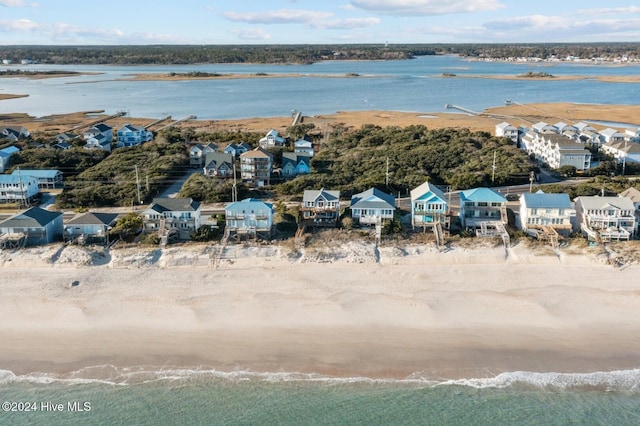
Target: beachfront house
5	156
90	228
34	226
372	207
219	165
16	188
605	218
130	135
294	164
634	195
304	146
320	208
172	218
198	154
482	205
429	207
271	140
47	179
542	212
248	218
256	167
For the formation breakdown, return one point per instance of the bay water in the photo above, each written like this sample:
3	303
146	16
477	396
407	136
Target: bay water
413	85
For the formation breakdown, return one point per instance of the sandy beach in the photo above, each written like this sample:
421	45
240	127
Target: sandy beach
417	312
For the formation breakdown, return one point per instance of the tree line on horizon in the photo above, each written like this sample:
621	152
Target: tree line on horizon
302	53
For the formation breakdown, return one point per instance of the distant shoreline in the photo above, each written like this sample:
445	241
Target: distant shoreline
603	78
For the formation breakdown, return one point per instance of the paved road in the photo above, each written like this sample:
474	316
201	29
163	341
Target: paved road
172	191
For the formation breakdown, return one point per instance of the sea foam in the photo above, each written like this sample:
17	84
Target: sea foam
618	380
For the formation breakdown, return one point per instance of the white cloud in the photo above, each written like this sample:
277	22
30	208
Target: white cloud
426	7
347	24
63	32
19	25
610	11
16	3
283	16
556	28
252	34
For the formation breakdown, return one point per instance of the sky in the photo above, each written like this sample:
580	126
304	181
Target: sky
116	22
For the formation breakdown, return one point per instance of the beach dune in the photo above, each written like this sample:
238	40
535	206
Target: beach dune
416	312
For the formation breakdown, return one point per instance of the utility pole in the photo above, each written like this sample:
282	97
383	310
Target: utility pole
387	174
138	185
21	189
624	159
234	189
493	173
531	179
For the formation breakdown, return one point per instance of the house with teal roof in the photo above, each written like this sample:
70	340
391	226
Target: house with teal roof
479	205
428	206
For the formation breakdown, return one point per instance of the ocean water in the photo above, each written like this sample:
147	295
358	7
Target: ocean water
408	85
136	396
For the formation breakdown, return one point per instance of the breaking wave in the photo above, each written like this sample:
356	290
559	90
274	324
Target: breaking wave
618	380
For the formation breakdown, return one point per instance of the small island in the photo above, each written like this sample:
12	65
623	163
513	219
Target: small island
532	74
37	74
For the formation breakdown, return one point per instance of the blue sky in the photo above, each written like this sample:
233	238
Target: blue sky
65	22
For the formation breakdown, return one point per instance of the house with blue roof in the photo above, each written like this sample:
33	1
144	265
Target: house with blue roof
5	155
539	211
18	188
34	226
249	217
47	179
428	206
479	205
372	206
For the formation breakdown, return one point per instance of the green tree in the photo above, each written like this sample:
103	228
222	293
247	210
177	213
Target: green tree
129	224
